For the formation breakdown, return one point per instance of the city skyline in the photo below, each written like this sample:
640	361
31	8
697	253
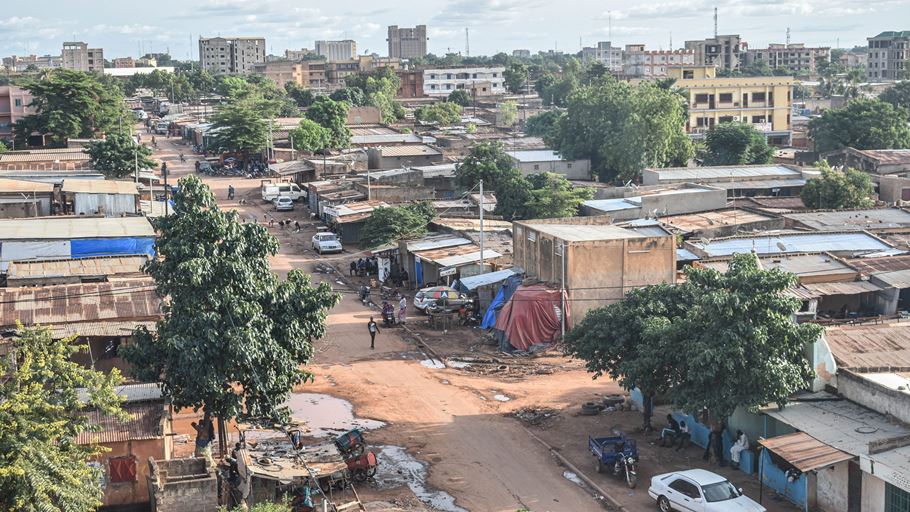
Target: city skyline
495	25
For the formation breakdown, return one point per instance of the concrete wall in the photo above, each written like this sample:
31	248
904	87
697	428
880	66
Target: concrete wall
397	162
571	169
674	204
873	494
130	493
831	488
874	396
395	194
12	207
890	188
178	485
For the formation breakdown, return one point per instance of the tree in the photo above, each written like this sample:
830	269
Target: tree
861	124
736	144
233	337
508	113
379	87
460	97
332	115
397	222
309	136
118	156
717	341
513	193
487	161
239	127
515	76
3	148
70	104
42	468
838	189
352	95
623	128
898	95
302	96
540	125
443	113
553	196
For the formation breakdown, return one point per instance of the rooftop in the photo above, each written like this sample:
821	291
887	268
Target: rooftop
80	186
708	220
409	150
24	187
726	172
870	346
804	451
887	156
68	228
582	232
436	242
535	155
143	422
386	138
843	220
99	266
803	265
854	243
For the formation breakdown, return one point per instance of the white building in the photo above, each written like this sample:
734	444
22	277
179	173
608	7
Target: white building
889	56
536	161
641	63
78	56
337	51
441	82
605	53
231	55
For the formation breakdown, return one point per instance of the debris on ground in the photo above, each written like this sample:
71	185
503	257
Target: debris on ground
535	416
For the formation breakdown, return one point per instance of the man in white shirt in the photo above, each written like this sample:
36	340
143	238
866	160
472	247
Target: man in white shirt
740	445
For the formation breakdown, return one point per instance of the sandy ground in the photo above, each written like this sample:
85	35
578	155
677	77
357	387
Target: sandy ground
451	418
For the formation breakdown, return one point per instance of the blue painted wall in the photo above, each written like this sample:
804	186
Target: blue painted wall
775	478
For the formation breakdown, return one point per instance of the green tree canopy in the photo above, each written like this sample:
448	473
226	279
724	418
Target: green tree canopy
736	144
118	156
70	104
41	413
379	87
487	161
540	125
718	341
352	95
333	116
443	113
460	97
838	189
239	127
508	113
623	128
302	96
513	193
553	196
310	136
898	95
515	77
234	336
861	124
394	223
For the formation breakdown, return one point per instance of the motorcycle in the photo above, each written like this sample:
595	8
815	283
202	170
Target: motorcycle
627	465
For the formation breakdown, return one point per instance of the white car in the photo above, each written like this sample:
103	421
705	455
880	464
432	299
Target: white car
697	490
283	203
326	242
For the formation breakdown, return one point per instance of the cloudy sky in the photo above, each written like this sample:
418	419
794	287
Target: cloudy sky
125	27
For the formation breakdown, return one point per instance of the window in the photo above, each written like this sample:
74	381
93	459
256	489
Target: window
122	469
448	76
494	75
688	74
432	77
18	102
536	167
474	75
685	488
758	96
725	119
896	499
701	98
569	165
726	97
758	119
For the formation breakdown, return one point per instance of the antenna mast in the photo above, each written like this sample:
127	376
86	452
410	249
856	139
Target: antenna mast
467	43
788	36
715	23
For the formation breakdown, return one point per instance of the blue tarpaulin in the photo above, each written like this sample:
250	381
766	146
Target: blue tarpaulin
503	296
92	247
467	284
418	272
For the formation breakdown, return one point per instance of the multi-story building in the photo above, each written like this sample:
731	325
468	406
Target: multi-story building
889	56
411	83
231	55
123	62
521	54
725	52
794	57
297	54
762	101
641	63
14	105
855	58
147	62
605	53
373	61
336	72
407	43
78	56
441	82
337	51
305	73
21	63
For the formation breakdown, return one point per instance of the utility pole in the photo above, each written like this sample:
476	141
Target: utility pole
788	37
715	23
467	43
562	293
481	226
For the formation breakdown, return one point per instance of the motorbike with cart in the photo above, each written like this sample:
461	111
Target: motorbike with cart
618	454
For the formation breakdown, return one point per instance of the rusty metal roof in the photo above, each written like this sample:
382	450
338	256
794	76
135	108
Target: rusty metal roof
60	331
25	186
804	451
99	266
883	264
100	187
118	300
843	288
888	156
870	346
435	254
143	422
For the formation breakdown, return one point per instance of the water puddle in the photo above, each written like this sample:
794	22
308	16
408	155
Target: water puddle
433	363
398	468
326	415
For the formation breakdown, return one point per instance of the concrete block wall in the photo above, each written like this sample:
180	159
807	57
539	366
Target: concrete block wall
182	484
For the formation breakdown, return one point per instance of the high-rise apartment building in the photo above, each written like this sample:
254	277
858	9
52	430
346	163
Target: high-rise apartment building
407	43
231	55
78	56
889	56
795	57
724	52
337	51
605	53
641	63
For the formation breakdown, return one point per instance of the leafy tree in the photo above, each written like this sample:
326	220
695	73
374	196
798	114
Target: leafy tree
736	144
515	76
379	87
302	96
838	189
331	115
460	97
555	91
487	161
41	466
70	104
861	124
118	156
513	193
352	95
623	129
310	136
595	71
898	95
394	223
539	125
3	148
443	113
716	341
234	336
553	196
508	113
239	127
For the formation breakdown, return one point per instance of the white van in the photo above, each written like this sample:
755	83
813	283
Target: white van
272	190
161	127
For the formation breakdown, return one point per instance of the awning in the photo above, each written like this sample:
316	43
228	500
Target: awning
845	288
805	452
466	259
474	282
112	329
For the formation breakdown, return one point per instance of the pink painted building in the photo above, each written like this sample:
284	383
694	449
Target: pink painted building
14	103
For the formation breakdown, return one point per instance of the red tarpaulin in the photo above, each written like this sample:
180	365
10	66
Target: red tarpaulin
531	316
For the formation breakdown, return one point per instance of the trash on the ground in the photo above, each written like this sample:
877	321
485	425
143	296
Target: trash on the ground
501	398
572	477
534	416
433	363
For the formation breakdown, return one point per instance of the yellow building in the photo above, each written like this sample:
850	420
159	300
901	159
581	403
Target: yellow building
762	101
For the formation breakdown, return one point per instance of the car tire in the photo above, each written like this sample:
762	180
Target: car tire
664	504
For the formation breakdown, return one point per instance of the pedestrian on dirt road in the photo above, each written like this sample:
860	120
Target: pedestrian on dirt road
402	309
373	327
296	227
230	191
164	169
352	268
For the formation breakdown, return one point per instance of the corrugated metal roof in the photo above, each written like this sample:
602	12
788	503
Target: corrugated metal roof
24	186
873	266
445	252
143	422
685	255
385	138
843	288
878	218
436	242
474	282
99	187
614	205
759	184
724	172
14	157
870	346
805	452
803	265
69	228
467	258
712	219
583	232
47	305
888	156
409	150
535	155
793	243
60	331
100	266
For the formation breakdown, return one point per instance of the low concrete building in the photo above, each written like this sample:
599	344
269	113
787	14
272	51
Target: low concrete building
843	244
109	198
347	219
720	223
20	198
741	180
649	202
600	262
547	160
178	485
875	220
873	161
396	157
62	159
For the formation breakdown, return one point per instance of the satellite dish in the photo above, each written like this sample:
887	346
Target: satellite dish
781	246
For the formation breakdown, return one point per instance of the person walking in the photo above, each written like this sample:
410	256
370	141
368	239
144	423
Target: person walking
373	327
230	191
402	309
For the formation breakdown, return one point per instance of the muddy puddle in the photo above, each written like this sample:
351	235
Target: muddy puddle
326	415
398	468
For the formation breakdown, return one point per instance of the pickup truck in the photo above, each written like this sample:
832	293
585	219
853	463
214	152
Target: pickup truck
272	190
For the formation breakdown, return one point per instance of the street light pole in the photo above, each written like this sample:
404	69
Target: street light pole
481	226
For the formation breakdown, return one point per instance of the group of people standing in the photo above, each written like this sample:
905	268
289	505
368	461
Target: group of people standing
677	432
